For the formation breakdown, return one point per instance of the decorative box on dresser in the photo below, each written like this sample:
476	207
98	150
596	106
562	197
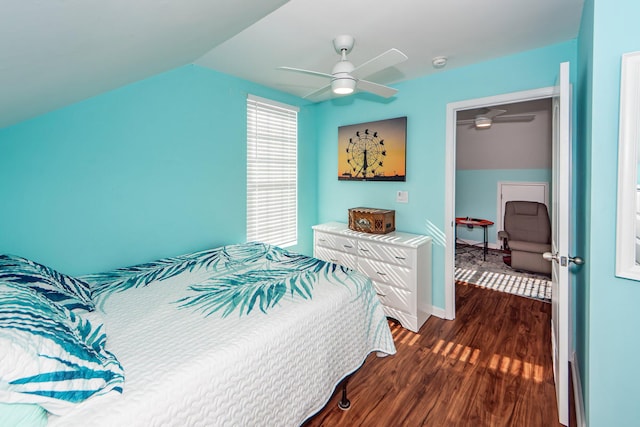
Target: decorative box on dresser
399	264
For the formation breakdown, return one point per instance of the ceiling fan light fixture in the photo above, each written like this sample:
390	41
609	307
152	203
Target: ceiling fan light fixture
343	85
483	122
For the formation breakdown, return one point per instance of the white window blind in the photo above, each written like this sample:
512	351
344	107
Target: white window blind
272	174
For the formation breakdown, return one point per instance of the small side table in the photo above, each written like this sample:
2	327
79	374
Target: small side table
477	222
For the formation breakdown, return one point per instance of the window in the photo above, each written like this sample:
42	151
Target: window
272	199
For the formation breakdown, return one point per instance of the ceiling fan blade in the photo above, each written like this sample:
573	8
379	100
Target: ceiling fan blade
300	70
515	118
493	112
317	94
375	88
466	122
387	59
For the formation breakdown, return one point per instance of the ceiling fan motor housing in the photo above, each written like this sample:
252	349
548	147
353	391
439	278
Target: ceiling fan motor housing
342	82
342	67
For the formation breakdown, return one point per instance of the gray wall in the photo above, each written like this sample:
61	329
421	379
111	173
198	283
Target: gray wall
518	145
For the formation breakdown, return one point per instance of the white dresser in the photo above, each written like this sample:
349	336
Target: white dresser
399	265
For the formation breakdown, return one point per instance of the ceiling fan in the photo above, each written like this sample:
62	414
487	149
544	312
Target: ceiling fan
495	115
345	77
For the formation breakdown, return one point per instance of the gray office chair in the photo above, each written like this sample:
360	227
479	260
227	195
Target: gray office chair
527	233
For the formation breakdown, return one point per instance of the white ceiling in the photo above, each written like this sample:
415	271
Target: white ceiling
56	52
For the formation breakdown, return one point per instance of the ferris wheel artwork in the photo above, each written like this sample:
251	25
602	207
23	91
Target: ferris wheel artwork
373	151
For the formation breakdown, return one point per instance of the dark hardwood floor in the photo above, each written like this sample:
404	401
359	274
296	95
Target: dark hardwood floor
491	366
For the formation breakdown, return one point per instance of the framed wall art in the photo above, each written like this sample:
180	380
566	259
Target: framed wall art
373	151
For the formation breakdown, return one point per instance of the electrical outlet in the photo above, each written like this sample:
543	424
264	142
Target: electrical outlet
402	197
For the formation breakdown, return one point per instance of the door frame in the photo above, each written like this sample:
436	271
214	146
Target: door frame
450	178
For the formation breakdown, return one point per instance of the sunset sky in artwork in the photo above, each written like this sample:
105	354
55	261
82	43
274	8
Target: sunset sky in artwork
391	131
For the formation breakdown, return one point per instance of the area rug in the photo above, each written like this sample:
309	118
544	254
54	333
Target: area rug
495	274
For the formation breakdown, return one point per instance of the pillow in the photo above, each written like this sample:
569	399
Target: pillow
96	334
58	287
49	355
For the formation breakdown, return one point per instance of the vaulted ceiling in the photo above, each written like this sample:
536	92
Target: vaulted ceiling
57	52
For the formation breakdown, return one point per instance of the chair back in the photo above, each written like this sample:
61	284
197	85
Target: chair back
527	221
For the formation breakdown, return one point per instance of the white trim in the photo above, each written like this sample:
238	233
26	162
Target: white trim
626	265
272	102
450	184
437	311
581	419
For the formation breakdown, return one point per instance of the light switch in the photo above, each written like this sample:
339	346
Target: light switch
402	197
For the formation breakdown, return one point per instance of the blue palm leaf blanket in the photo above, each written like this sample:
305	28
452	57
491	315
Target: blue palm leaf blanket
246	334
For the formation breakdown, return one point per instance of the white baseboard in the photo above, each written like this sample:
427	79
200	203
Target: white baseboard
581	419
438	312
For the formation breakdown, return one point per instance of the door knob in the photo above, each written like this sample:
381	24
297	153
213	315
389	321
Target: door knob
576	260
549	256
562	260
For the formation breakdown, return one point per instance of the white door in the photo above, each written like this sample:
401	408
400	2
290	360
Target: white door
560	224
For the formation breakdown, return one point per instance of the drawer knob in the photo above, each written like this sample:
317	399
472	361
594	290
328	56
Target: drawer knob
380	295
347	246
335	261
364	250
381	274
400	257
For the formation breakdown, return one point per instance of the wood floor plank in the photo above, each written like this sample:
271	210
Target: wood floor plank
491	366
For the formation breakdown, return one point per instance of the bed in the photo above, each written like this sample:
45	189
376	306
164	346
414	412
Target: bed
247	334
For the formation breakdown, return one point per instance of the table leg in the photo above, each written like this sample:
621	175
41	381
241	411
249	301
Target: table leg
486	243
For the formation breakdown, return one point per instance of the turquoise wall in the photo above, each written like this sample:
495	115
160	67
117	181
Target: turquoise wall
610	320
477	195
424	103
152	169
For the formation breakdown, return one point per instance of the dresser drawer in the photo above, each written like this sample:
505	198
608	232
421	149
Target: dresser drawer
339	243
397	298
336	257
387	253
393	275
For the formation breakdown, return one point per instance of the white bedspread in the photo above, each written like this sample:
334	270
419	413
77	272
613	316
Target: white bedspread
275	365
